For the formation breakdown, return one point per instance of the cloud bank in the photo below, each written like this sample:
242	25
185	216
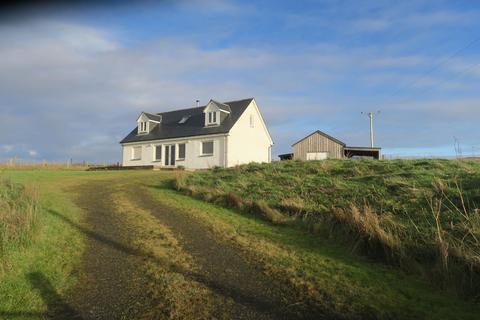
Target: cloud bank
71	90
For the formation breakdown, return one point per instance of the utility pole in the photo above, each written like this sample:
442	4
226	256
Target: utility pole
370	116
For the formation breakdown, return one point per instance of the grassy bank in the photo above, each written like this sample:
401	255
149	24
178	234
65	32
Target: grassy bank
328	278
421	215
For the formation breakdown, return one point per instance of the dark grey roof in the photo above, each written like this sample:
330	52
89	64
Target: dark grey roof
154	117
194	126
222	106
323	134
362	148
286	156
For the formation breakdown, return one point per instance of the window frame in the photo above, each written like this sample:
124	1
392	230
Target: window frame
184	151
202	153
213	118
155	159
133	153
143	127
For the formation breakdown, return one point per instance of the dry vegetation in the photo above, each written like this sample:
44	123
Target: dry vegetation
43	165
18	212
420	215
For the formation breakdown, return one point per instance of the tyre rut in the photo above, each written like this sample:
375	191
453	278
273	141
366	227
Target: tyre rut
110	285
249	293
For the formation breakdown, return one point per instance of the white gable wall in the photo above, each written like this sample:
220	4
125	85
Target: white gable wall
246	143
193	157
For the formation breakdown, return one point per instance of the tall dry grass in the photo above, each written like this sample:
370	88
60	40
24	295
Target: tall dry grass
377	235
447	245
18	213
436	234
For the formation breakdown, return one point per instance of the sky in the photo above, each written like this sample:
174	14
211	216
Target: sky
74	78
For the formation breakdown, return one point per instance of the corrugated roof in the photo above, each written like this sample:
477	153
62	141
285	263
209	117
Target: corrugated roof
195	126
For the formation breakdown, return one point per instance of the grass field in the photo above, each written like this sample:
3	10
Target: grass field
421	215
326	273
327	276
52	248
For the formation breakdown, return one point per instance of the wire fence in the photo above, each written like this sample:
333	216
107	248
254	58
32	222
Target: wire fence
15	163
428	156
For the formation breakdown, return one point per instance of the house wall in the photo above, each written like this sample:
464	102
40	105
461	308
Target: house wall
193	157
246	143
317	143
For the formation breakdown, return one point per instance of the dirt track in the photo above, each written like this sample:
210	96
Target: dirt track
112	287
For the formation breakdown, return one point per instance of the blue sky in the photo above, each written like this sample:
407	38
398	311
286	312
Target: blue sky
73	79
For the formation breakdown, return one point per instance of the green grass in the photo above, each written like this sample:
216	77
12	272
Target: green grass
53	251
326	273
18	213
421	215
323	270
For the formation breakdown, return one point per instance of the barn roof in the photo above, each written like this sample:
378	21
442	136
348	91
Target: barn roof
323	134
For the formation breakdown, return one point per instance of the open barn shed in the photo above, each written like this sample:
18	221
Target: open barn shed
319	146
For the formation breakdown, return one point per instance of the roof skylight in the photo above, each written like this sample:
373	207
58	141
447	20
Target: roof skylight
184	119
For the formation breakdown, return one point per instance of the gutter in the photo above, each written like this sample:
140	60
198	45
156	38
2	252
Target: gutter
225	148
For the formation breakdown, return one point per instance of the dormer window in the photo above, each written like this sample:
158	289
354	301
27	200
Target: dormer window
212	118
147	122
215	113
143	127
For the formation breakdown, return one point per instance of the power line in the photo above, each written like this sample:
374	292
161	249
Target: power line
434	68
470	67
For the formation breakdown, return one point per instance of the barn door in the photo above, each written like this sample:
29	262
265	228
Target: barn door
317	155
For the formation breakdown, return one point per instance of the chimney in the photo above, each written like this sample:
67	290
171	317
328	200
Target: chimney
198	102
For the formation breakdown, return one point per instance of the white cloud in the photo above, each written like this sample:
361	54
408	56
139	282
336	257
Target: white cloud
6	148
76	90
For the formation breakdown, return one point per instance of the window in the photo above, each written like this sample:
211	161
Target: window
207	148
136	153
212	118
181	151
252	121
158	153
142	127
184	119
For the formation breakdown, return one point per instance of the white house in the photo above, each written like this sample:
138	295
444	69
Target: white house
218	134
